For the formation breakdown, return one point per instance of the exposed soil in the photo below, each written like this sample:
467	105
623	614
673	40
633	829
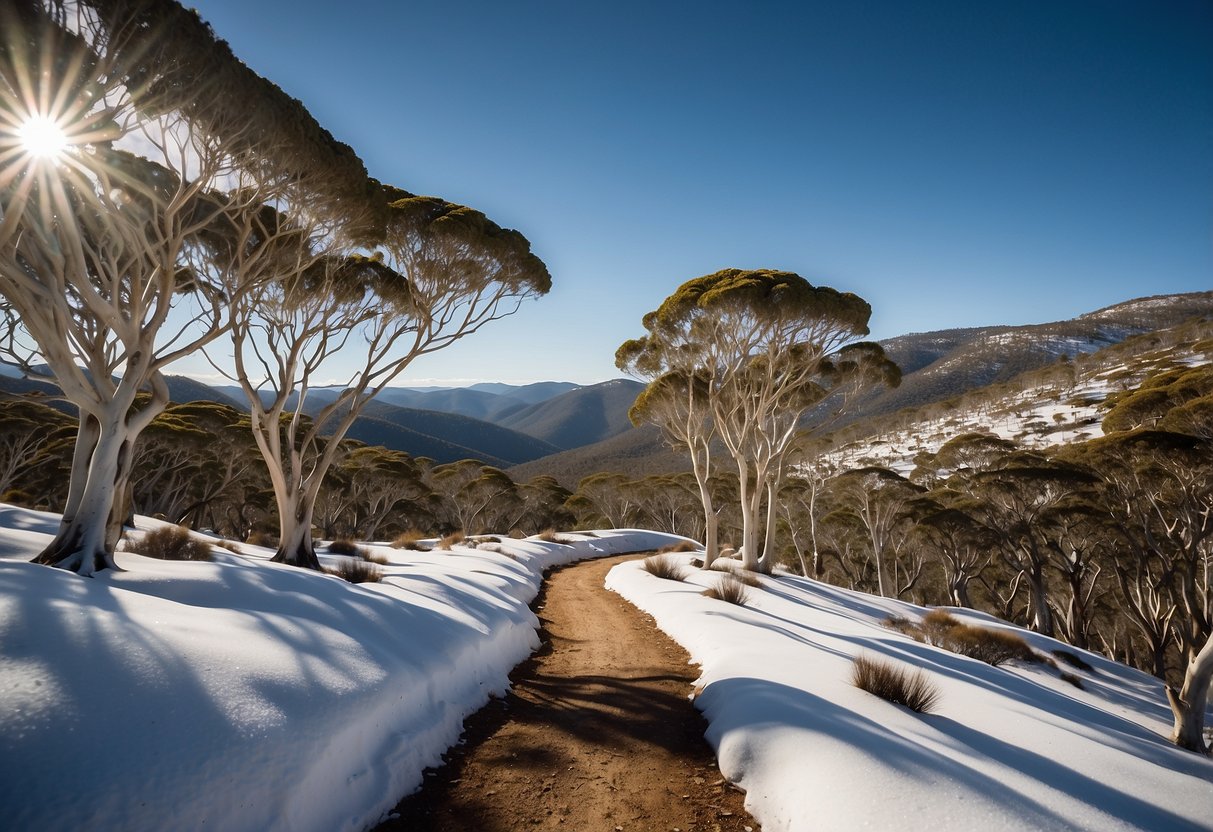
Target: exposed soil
596	734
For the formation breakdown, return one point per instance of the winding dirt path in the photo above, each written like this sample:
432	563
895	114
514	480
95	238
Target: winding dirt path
596	734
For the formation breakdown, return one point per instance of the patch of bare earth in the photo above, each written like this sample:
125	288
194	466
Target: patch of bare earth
597	732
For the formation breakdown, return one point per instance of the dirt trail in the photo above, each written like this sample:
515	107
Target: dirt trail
597	733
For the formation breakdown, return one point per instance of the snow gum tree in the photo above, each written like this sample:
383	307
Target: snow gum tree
677	402
443	271
127	132
770	347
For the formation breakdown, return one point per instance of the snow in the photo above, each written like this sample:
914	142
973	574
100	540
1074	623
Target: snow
1008	748
1038	417
239	694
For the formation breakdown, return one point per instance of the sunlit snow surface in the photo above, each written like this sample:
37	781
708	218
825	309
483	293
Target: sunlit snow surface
243	695
1010	748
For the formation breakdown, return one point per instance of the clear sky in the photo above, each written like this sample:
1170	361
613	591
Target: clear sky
954	162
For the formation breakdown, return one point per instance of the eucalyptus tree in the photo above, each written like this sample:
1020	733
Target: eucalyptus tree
442	272
881	498
372	488
961	542
128	135
1022	501
544	505
482	498
770	347
676	400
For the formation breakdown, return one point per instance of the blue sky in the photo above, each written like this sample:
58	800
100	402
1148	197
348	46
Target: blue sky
954	162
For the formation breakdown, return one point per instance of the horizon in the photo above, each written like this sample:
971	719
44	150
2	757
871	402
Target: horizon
460	383
214	379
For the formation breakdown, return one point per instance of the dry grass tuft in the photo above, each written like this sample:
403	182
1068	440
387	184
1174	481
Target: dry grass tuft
410	540
744	575
171	543
229	545
903	625
994	647
260	538
550	536
679	547
1073	680
664	566
450	540
344	546
374	557
357	572
730	590
498	550
517	534
895	684
1073	660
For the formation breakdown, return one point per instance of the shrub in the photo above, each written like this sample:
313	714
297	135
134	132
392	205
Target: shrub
664	566
993	647
171	543
680	546
260	538
1073	680
344	546
895	684
1073	660
357	572
373	557
498	550
410	540
450	540
730	590
550	536
744	575
903	625
941	629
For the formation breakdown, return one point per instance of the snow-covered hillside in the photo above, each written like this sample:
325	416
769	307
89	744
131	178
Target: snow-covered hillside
1035	416
1013	747
238	694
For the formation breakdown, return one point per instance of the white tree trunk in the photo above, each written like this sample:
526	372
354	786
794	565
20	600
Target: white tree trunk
1189	704
750	511
295	528
86	537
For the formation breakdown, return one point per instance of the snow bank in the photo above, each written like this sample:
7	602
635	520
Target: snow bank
243	695
1010	748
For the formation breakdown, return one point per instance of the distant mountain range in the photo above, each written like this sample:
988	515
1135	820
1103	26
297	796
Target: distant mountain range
570	431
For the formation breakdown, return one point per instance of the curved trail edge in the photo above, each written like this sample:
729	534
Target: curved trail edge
597	732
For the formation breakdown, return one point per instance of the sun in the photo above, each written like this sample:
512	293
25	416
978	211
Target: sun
42	137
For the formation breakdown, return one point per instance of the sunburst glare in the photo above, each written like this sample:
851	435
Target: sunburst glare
43	137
